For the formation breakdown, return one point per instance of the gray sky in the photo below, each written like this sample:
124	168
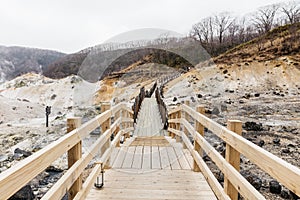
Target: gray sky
72	25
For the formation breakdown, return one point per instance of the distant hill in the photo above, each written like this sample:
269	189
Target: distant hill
281	41
15	61
102	61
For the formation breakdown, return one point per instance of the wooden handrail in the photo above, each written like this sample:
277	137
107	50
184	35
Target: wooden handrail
283	171
59	189
20	174
238	181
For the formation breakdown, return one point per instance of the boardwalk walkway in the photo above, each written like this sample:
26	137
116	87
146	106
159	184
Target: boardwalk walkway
152	168
149	120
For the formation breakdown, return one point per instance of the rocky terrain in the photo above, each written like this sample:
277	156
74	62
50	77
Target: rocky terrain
260	88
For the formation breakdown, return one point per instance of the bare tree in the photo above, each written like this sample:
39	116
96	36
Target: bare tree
202	30
233	31
264	18
222	22
292	11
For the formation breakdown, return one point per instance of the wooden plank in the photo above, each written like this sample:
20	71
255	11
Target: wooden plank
161	184
164	158
173	158
74	154
146	158
88	183
188	157
120	158
281	170
155	156
233	157
211	179
129	157
181	158
113	156
200	129
138	158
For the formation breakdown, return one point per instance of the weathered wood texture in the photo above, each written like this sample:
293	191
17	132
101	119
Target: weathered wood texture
74	154
233	157
158	184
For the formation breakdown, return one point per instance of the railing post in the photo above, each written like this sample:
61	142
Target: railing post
199	129
74	154
177	125
172	125
185	116
104	126
233	157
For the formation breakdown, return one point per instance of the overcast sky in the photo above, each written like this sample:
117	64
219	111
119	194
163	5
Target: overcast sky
72	25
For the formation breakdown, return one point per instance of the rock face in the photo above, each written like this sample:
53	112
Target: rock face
275	187
24	193
253	126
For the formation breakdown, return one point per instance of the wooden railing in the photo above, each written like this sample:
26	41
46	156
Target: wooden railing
234	182
20	174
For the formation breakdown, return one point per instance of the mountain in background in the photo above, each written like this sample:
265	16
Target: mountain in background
107	59
15	61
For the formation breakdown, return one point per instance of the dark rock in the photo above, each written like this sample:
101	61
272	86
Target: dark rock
14	108
225	71
276	141
247	96
253	126
220	177
228	101
257	95
294	196
174	99
199	95
25	100
53	169
285	150
253	180
206	158
285	194
275	187
215	111
24	193
208	111
241	101
223	107
291	145
22	152
231	91
53	96
261	143
193	99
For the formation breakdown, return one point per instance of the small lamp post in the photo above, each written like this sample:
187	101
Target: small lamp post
48	112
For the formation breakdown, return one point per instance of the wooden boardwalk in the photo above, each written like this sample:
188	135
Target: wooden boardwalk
152	168
149	120
150	165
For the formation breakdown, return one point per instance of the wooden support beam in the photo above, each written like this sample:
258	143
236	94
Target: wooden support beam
105	126
185	115
177	126
200	129
74	154
233	157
